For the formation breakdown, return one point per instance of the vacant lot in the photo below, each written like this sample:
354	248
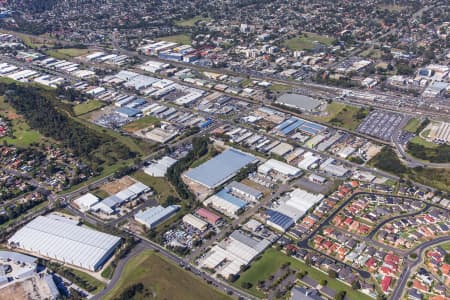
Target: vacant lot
192	21
86	107
163	280
307	41
141	123
272	260
160	185
183	39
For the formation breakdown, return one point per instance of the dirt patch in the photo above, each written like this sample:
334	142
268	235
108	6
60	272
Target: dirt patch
117	185
13	115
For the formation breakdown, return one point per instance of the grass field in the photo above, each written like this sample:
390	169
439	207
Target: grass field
101	193
141	123
413	125
67	53
163	279
423	142
307	41
192	21
108	272
23	135
279	87
160	185
86	107
273	259
343	115
182	38
446	246
332	110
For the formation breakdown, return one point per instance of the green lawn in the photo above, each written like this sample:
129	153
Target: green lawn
183	39
272	260
279	87
162	278
67	53
23	135
348	117
332	110
446	246
141	123
435	177
160	185
372	53
418	140
412	125
307	41
100	193
192	21
108	272
86	107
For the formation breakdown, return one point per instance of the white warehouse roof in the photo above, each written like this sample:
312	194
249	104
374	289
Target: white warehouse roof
280	167
86	201
66	242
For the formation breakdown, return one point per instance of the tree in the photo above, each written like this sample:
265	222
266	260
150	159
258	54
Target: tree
246	285
340	295
356	285
332	274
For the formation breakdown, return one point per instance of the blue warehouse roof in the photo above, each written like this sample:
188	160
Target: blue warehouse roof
279	219
221	168
230	198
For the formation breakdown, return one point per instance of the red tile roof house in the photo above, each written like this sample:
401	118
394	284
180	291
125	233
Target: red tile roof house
348	221
385	271
371	264
337	220
420	286
385	283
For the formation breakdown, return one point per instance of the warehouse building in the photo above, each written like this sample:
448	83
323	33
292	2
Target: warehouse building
278	220
226	203
221	168
65	241
195	222
86	202
231	254
276	167
330	167
153	216
296	203
110	204
159	168
208	216
245	191
301	102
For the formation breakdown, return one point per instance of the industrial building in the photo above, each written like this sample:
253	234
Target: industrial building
207	215
301	102
226	203
153	216
159	168
231	254
296	203
195	222
221	168
330	167
108	205
245	191
63	240
296	124
278	220
272	166
86	202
